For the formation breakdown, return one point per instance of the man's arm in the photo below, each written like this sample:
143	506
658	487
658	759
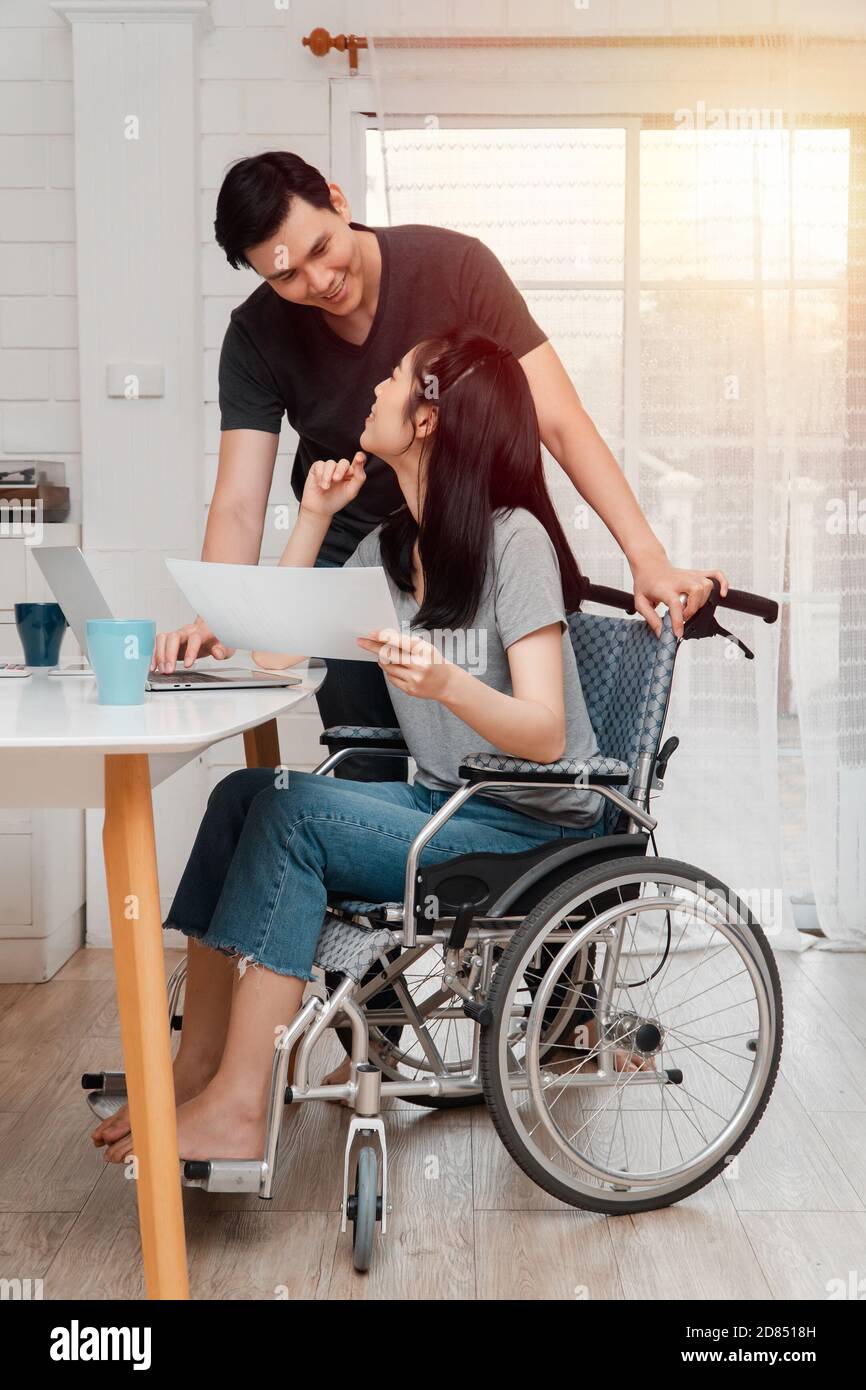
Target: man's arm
236	520
575	443
236	516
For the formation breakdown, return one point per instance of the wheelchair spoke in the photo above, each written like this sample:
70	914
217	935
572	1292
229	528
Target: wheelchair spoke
413	1033
702	1042
692	1119
715	985
674	1135
724	1009
690	1044
417	1022
693	968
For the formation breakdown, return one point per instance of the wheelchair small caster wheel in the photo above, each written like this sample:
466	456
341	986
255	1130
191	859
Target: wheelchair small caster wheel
365	1207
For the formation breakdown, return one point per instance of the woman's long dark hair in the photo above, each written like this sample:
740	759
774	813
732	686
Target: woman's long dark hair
485	453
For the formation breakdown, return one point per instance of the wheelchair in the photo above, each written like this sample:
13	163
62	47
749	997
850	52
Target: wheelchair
520	980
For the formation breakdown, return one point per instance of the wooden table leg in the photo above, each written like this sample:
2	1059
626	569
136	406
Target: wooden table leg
136	930
262	745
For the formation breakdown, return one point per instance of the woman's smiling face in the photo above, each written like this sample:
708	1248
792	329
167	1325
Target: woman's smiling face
387	432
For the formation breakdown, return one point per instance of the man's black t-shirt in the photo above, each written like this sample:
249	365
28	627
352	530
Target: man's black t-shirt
278	356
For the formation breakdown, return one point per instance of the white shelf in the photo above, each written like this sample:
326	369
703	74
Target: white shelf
41	851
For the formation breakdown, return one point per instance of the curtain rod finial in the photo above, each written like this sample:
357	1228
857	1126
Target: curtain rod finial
320	43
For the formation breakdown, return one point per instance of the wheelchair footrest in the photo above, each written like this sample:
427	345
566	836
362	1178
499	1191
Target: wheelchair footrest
105	1104
223	1174
106	1092
109	1082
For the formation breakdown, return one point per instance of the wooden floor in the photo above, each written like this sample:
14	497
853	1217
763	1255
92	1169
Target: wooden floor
466	1222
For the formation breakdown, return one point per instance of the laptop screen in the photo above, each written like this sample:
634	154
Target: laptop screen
73	586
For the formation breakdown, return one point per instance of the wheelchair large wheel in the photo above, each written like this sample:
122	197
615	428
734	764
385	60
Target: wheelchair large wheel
688	1025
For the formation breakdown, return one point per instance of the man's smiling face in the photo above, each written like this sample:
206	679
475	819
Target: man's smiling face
314	259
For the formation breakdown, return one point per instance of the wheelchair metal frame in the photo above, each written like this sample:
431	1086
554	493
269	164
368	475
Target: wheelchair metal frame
468	960
639	819
365	1087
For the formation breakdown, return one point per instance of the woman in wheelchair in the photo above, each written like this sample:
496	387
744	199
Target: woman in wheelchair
482	578
677	978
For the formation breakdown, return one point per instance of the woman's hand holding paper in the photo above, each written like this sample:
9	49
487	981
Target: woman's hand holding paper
412	663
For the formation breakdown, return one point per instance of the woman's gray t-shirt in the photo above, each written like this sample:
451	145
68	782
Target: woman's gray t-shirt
522	594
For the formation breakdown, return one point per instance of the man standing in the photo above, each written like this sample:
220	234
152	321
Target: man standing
339	305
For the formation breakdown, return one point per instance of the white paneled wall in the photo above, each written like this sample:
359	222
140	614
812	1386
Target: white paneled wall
39	414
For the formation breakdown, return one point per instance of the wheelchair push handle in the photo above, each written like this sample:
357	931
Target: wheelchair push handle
737	599
609	598
704	622
741	602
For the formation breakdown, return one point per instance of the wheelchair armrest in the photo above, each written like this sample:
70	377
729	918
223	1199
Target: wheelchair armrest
477	768
363	736
566	772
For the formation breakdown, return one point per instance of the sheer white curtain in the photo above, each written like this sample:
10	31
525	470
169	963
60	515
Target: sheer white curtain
828	553
686	223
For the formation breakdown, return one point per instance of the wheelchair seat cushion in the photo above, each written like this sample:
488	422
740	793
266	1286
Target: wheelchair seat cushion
346	948
353	906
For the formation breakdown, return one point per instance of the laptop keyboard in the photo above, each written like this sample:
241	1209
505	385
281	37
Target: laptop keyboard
193	677
204	677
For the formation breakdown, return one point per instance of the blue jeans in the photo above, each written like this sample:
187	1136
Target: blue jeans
266	856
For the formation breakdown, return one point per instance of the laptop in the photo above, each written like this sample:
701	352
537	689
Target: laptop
80	597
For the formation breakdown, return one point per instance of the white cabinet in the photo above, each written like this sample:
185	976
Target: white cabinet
41	851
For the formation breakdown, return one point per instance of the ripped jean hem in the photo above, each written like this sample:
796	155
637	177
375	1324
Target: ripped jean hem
231	949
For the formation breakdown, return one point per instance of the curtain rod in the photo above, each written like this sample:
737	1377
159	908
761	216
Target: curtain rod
320	42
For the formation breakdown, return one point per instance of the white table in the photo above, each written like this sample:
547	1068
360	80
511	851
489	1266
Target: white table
60	747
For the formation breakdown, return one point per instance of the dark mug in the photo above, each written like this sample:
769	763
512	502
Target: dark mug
41	627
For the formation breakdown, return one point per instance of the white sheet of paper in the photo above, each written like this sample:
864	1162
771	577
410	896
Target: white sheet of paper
273	608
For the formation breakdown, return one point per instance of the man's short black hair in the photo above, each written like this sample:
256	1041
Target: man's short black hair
255	198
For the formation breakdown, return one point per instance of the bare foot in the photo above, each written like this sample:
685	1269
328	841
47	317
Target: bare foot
117	1127
208	1126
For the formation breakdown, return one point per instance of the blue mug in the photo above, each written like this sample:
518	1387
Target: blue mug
41	627
120	651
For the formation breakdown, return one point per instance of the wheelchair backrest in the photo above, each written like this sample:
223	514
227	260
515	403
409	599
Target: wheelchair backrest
626	674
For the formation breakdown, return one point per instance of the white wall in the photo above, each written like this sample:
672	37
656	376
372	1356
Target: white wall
38	338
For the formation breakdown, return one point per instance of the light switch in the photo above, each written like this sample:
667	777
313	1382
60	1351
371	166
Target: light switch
135	380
